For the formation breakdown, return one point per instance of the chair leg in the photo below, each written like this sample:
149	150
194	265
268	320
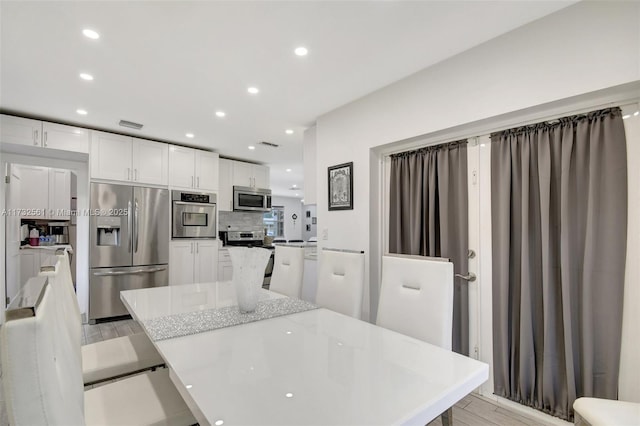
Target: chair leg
447	417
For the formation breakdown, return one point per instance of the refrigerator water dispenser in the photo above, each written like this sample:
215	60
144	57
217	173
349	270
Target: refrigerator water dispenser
108	231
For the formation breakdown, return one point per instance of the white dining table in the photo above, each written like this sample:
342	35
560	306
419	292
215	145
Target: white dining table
315	367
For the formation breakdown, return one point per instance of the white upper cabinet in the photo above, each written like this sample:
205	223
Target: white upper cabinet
111	156
20	131
207	170
126	159
181	167
193	168
59	194
242	174
253	175
25	131
65	138
225	185
150	162
261	176
34	191
44	193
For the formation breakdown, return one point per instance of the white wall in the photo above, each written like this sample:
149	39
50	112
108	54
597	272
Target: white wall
292	229
582	48
310	151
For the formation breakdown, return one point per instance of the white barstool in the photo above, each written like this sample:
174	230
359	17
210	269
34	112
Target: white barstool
288	268
416	299
341	281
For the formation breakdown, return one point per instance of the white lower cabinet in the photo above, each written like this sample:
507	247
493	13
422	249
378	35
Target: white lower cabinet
225	268
193	261
29	265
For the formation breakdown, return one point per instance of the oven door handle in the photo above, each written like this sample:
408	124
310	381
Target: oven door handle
183	203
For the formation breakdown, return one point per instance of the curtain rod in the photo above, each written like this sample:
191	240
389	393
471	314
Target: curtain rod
501	127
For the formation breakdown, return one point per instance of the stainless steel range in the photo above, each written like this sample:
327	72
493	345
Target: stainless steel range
250	239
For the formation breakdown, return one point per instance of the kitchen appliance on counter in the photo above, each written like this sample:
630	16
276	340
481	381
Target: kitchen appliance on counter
59	232
129	244
250	239
193	215
246	198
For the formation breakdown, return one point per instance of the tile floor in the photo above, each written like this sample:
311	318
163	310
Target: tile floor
470	411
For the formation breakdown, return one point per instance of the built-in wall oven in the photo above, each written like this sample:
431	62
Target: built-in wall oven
246	198
193	215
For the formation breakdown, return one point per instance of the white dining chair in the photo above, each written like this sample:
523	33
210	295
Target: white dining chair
605	412
42	377
416	299
288	268
341	281
101	361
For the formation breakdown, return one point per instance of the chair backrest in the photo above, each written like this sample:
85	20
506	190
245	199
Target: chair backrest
42	382
341	282
416	298
288	267
67	303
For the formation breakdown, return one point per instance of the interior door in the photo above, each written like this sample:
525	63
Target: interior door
12	235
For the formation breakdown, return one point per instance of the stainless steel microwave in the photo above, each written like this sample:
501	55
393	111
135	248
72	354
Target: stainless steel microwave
193	215
246	198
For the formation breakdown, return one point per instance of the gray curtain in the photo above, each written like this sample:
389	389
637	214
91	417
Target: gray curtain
428	216
559	224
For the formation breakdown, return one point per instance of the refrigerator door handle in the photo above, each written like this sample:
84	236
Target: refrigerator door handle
130	224
135	271
136	225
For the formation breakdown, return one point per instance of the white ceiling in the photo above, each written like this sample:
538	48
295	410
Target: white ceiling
170	65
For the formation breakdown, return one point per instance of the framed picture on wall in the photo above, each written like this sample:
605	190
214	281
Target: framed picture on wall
341	187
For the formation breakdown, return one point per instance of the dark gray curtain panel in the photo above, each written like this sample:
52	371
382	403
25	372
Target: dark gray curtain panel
559	231
428	216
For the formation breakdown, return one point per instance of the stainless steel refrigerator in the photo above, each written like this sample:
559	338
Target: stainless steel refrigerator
129	244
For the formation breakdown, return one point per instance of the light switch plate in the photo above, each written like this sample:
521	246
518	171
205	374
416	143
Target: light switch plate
325	234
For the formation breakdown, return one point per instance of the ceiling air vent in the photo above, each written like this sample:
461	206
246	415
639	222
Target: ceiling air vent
272	145
130	124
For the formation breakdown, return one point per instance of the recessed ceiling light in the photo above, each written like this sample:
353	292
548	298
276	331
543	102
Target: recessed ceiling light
635	114
252	147
253	90
301	51
219	422
91	34
289	131
294	185
624	117
289	395
81	111
86	76
220	113
288	170
190	135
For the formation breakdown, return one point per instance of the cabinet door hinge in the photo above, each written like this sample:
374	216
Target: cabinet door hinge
7	179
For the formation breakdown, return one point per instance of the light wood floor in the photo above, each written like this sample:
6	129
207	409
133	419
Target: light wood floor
470	411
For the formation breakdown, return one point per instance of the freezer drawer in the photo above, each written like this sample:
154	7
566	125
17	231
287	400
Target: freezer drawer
105	285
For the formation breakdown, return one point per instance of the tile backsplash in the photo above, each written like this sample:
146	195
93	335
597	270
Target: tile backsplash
240	221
